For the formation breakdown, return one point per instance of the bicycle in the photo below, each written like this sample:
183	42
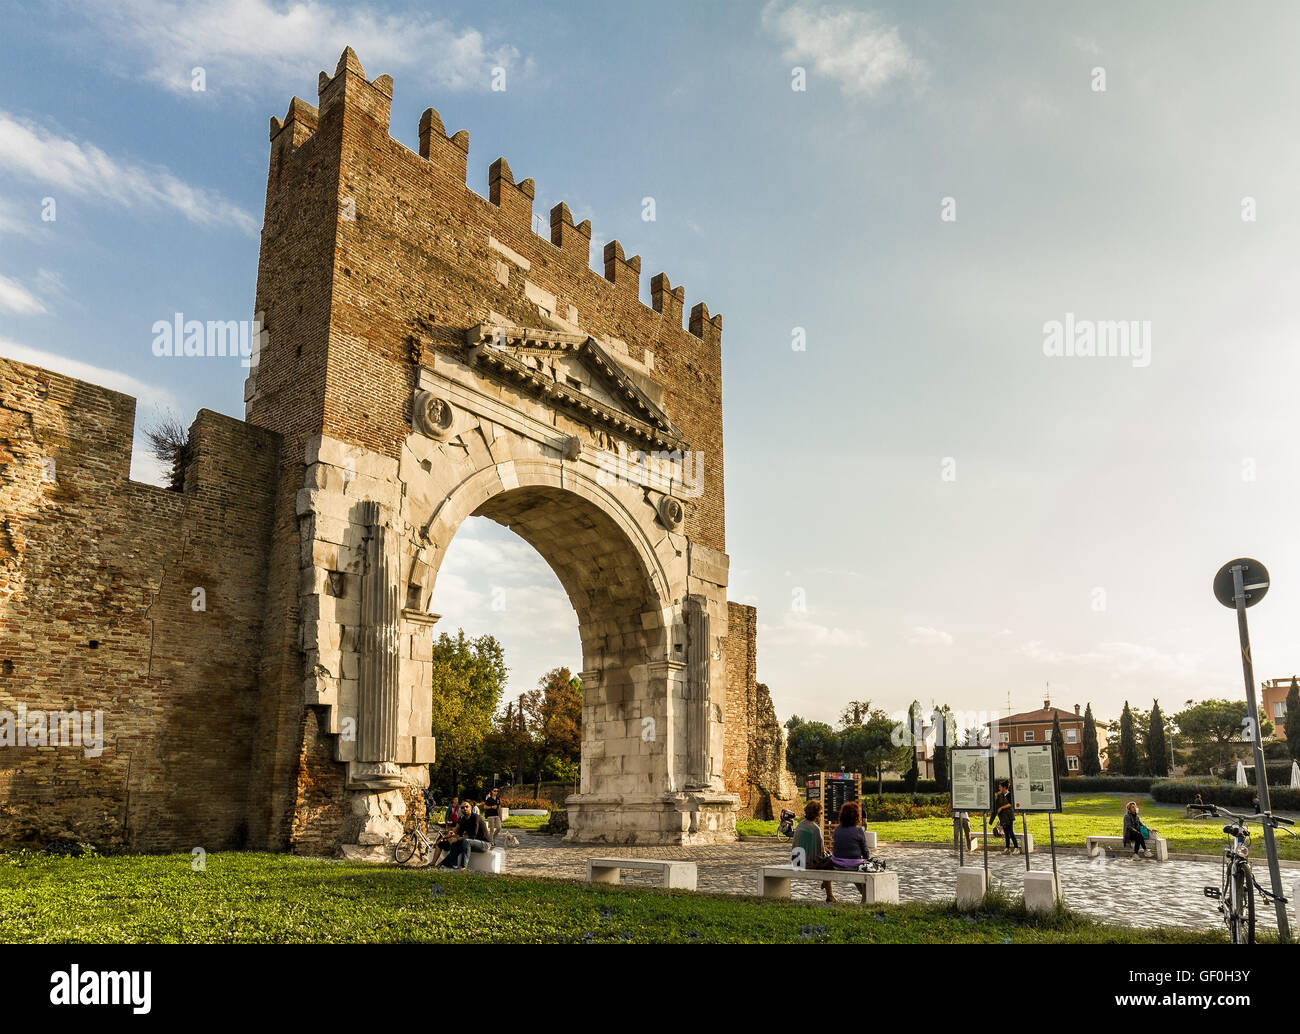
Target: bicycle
415	842
785	828
1236	894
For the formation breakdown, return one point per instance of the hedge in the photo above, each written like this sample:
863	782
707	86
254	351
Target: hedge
1230	795
1279	773
1101	784
900	786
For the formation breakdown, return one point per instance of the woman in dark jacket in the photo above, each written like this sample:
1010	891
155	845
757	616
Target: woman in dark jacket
1133	830
849	841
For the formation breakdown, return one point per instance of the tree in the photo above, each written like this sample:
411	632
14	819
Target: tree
1091	763
1213	729
557	722
1141	721
1292	725
469	676
1058	746
943	717
856	712
1128	749
913	774
873	747
1157	745
810	747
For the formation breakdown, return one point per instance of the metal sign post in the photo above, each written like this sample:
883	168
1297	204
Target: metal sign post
1240	584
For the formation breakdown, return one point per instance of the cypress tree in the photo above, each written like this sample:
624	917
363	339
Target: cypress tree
1157	744
1091	763
1058	746
1128	753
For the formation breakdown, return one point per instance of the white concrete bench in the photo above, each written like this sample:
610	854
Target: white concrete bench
882	887
675	874
488	861
1158	846
995	839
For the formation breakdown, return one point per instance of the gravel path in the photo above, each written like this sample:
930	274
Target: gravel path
1141	893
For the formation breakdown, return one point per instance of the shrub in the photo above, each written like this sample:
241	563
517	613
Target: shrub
1279	773
893	808
900	785
1107	784
527	803
1230	795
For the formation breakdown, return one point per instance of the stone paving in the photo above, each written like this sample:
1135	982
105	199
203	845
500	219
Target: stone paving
1135	893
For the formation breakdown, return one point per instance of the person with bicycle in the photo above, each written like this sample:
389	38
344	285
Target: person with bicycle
1135	832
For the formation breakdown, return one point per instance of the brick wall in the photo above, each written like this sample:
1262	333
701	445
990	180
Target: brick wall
97	613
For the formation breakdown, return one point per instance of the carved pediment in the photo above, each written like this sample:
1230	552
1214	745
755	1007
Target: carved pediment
574	372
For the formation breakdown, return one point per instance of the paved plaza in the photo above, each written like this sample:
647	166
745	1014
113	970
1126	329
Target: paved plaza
1141	893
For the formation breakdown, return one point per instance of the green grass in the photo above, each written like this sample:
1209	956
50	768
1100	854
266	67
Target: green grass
263	898
524	822
1085	815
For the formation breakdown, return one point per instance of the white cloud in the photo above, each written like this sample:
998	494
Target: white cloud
16	224
854	48
1121	660
247	44
150	399
16	298
925	636
797	628
82	169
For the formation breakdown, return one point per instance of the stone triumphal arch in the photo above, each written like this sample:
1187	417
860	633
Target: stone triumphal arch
464	365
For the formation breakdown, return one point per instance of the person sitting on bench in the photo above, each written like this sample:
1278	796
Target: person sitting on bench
849	841
808	839
1134	832
471	835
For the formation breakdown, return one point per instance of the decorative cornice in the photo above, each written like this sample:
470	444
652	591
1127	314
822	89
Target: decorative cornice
495	350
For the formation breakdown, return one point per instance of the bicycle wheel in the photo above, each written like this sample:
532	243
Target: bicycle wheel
1238	884
406	848
1250	904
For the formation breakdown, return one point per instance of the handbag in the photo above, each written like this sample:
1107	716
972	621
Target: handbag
1146	833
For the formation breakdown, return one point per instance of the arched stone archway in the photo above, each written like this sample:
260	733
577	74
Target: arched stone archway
651	604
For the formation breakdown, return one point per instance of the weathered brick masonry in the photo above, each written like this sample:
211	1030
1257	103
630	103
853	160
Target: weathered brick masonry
97	613
374	262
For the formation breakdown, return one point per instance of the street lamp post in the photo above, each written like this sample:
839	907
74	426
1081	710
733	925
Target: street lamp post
1232	589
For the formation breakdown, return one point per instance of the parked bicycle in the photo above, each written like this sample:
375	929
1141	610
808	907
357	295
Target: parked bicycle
1236	894
785	828
415	842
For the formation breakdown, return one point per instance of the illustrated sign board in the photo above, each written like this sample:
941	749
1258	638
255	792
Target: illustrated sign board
971	779
833	790
1034	782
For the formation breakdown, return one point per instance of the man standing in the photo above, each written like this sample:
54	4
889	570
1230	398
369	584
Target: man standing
960	829
471	834
492	813
1005	814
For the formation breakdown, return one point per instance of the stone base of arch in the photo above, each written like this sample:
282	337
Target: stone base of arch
683	819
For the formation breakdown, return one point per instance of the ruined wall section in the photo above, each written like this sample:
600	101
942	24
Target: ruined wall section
754	759
98	613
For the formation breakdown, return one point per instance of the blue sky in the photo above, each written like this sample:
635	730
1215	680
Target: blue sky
920	502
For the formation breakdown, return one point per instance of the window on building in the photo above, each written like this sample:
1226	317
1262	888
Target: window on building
1029	735
1047	735
1072	762
1071	735
1279	709
1004	737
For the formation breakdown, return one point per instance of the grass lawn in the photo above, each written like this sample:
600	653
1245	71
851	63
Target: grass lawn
1084	815
266	898
530	822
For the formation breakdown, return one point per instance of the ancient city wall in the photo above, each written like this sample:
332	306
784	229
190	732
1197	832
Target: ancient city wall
98	613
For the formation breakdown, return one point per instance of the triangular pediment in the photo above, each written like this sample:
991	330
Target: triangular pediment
573	371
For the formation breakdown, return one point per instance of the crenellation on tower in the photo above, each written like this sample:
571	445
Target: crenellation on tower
624	274
706	328
667	300
349	84
514	199
449	153
572	240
